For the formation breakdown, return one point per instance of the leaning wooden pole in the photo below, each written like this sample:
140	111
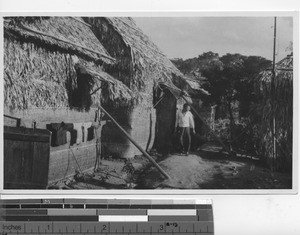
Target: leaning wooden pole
213	133
136	144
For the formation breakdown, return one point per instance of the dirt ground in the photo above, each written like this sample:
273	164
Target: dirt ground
204	169
112	174
198	172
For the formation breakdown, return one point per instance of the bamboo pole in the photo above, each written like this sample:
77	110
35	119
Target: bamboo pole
135	143
274	150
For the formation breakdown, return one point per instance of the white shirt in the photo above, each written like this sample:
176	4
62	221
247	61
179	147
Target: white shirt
185	119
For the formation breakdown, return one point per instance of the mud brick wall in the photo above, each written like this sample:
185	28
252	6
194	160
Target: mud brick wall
139	123
143	129
62	161
63	158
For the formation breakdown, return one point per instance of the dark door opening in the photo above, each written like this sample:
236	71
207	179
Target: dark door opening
165	121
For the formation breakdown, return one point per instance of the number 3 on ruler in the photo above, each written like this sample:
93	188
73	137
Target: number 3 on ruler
161	227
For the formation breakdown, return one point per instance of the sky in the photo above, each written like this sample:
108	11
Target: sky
188	37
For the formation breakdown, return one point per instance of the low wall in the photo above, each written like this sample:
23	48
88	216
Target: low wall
46	116
62	159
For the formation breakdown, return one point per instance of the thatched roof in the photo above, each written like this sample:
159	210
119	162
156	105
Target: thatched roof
283	70
283	80
141	45
146	53
116	89
70	34
38	63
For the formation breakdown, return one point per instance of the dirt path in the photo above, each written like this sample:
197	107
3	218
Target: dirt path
197	172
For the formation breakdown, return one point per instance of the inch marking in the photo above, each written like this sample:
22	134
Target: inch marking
123	228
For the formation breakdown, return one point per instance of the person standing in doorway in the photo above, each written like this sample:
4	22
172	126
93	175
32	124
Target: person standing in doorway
184	124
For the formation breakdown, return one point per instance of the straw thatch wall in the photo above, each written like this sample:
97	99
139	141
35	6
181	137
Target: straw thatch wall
283	115
35	77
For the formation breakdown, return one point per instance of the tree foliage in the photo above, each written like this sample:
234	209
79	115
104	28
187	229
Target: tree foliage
230	78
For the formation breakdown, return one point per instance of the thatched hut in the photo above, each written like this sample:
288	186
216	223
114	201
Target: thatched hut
53	68
283	110
150	118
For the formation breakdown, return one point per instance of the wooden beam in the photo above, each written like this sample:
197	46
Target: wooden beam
15	118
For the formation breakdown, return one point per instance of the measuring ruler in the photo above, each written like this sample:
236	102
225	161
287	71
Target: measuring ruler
98	216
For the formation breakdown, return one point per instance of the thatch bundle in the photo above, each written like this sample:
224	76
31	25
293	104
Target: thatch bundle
283	110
